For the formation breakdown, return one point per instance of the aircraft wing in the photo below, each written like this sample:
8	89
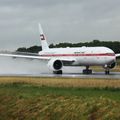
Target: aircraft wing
117	55
24	56
36	56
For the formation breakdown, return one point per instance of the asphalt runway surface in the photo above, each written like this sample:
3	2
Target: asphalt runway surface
112	75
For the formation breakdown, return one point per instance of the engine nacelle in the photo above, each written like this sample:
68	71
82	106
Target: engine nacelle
110	66
55	64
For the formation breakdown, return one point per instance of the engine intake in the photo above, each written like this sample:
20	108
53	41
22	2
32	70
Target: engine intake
55	65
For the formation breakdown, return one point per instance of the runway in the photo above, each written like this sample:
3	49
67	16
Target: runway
113	75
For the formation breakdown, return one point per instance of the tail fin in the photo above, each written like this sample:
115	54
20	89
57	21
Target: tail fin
43	39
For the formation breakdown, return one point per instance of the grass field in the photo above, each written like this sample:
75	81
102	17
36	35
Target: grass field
59	99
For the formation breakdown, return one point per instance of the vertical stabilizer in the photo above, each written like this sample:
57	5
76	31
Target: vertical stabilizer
43	38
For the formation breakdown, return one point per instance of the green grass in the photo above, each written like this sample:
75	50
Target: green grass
27	101
30	91
118	61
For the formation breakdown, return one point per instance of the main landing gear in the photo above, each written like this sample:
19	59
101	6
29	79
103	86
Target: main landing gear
58	72
87	70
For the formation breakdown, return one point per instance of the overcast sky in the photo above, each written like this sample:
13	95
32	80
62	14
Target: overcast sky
62	21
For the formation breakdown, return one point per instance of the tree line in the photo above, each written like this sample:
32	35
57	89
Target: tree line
114	45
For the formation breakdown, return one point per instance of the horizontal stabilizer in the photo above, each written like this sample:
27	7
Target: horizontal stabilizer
117	55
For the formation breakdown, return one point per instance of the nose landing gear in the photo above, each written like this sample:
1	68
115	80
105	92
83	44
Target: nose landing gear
107	70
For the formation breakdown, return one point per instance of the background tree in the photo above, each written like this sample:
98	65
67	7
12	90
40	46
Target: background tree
115	46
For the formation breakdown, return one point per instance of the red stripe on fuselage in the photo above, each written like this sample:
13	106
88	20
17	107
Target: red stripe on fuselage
71	55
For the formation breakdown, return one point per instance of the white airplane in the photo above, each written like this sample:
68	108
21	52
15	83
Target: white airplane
56	58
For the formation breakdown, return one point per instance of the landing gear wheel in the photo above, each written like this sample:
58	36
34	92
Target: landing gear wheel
107	72
87	70
58	72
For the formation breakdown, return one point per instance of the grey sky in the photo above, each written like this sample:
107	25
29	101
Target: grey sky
62	21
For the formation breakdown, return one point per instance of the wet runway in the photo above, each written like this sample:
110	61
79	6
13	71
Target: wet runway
35	68
113	75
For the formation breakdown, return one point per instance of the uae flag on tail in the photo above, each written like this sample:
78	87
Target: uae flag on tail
42	37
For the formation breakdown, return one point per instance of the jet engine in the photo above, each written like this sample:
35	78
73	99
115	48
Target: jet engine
55	64
110	66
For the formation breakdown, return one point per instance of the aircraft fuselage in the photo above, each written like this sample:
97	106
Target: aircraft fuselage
85	56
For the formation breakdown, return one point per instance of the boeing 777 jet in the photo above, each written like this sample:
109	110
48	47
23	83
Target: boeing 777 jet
56	58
